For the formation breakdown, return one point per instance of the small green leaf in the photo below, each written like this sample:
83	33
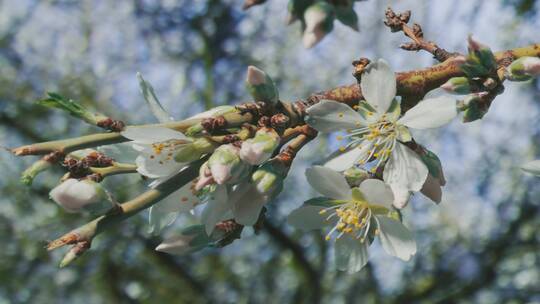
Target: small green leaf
433	163
320	201
347	16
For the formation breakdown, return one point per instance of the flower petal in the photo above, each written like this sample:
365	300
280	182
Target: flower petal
532	167
307	218
165	212
377	192
215	208
247	206
345	160
351	254
159	219
329	116
430	113
379	85
157	167
151	134
405	171
179	244
395	238
328	182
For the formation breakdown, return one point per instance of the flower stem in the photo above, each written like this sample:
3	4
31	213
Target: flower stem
82	237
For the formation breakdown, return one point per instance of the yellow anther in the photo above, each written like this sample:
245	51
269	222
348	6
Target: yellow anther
340	115
322	211
341	149
327	238
339	137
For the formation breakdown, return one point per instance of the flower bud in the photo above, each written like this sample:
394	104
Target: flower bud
355	176
480	61
80	195
532	167
259	149
205	177
319	19
191	239
198	128
260	86
268	179
524	68
194	150
226	166
457	85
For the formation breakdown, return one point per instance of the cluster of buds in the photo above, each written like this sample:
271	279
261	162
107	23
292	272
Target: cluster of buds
481	82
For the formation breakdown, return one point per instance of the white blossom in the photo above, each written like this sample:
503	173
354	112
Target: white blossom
377	131
355	217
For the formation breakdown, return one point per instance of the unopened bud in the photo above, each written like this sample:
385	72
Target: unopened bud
191	239
80	195
198	128
259	149
268	179
319	19
481	58
457	85
524	68
226	166
194	150
355	176
261	86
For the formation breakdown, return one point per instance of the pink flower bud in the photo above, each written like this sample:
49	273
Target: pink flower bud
75	196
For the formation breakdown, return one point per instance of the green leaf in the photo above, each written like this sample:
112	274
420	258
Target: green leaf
433	163
75	109
347	16
152	101
320	201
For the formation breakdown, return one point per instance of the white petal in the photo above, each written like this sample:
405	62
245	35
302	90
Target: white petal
430	113
176	245
328	182
401	196
215	208
329	116
405	170
532	167
248	206
307	218
345	160
351	254
396	239
377	192
379	85
164	213
158	219
432	189
151	134
157	167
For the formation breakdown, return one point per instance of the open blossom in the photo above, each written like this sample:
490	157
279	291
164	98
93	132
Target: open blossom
80	195
157	147
377	133
354	217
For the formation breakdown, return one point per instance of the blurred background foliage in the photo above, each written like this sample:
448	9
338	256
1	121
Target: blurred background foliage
480	245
